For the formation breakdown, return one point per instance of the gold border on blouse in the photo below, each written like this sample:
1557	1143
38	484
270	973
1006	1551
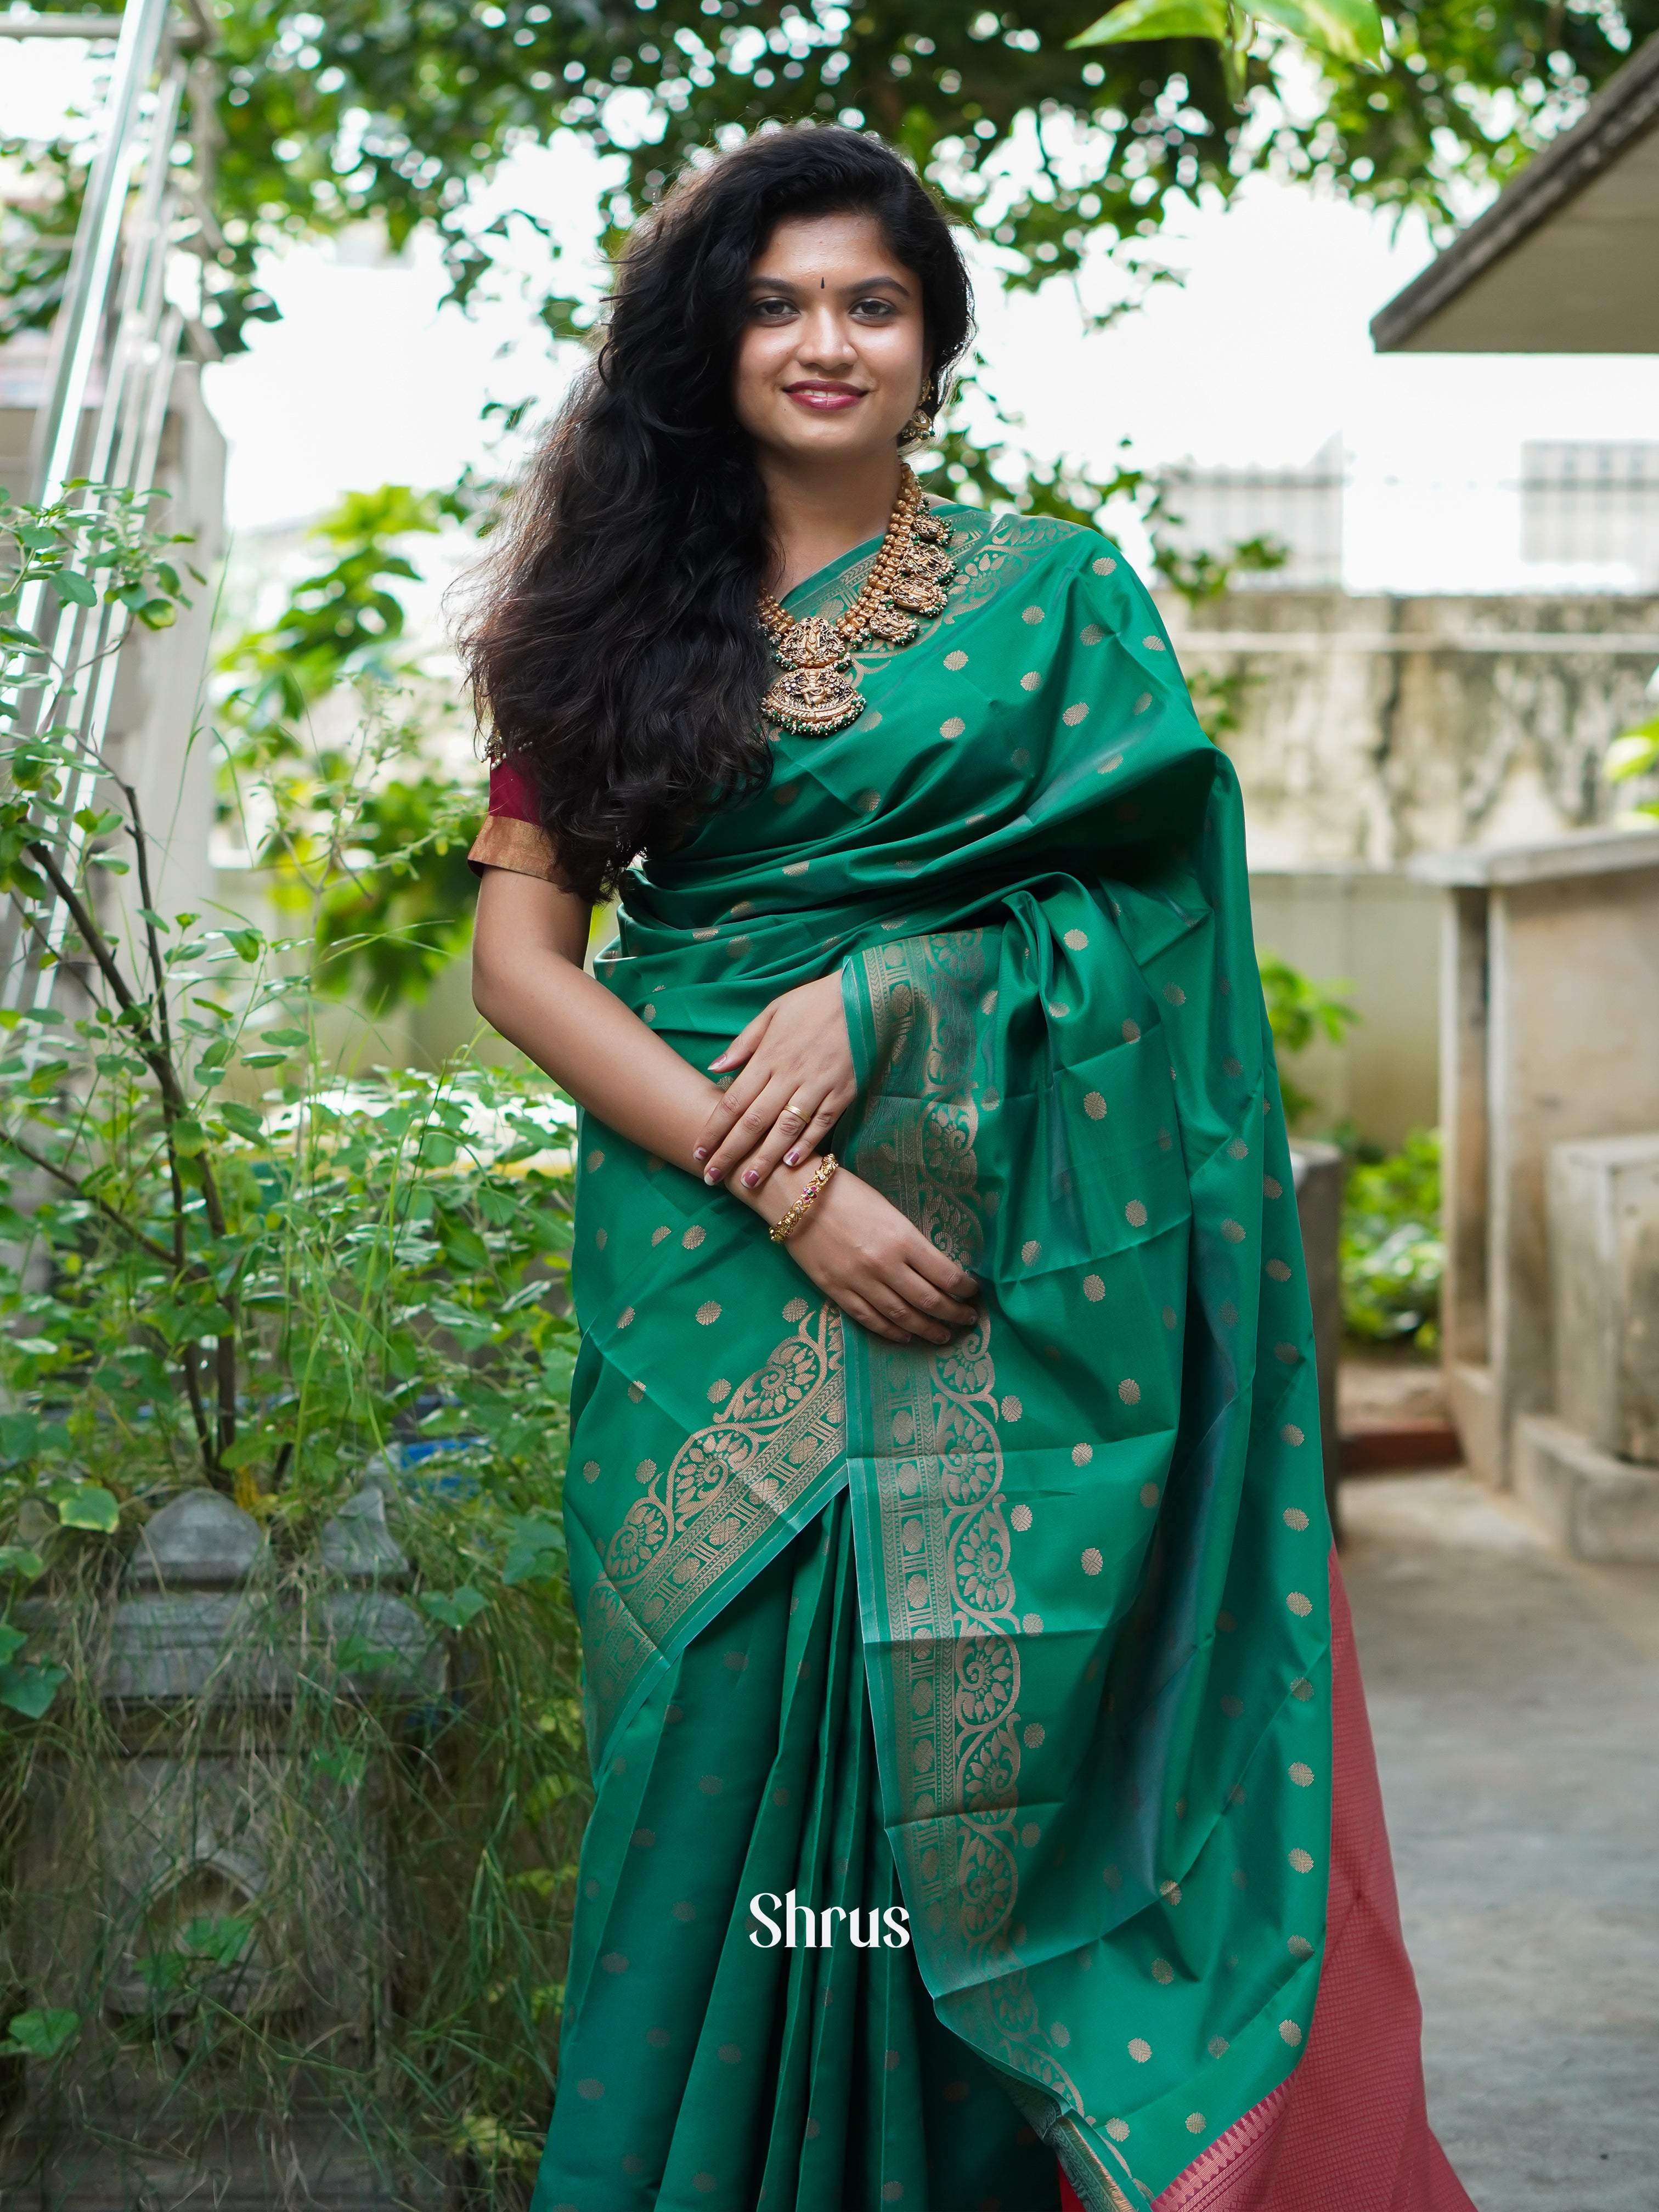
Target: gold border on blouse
523	848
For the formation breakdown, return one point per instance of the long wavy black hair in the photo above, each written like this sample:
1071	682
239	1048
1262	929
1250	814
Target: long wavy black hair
612	641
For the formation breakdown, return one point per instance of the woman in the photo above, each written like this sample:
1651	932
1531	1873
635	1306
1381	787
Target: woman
968	1700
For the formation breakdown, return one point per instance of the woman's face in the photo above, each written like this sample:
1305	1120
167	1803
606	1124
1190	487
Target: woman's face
832	354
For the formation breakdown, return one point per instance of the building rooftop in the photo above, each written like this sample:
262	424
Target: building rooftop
1566	259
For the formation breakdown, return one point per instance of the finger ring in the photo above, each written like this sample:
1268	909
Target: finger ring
794	1114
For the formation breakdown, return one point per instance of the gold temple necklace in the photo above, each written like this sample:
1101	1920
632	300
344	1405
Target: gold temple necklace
816	695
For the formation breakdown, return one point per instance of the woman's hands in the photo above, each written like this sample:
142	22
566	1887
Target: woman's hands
860	1251
795	1084
877	1266
796	1081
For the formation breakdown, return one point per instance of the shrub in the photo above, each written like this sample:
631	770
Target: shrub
1393	1253
223	1267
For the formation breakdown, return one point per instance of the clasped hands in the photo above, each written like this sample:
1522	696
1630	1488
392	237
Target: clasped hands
793	1082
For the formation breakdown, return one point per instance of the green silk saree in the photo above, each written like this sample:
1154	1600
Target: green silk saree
1028	1638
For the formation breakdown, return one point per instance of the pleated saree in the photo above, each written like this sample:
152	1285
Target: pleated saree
1029	1649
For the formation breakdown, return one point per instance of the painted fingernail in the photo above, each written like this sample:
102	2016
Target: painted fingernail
702	1152
792	1159
721	1062
751	1176
711	1175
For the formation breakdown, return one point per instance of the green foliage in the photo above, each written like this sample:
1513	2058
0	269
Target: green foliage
44	2034
1345	30
1298	1011
1635	754
1393	1253
320	120
219	1264
335	762
91	544
340	622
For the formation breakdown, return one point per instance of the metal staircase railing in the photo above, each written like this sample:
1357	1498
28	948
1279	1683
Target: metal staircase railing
115	315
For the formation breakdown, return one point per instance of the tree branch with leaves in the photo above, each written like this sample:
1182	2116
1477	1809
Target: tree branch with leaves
302	123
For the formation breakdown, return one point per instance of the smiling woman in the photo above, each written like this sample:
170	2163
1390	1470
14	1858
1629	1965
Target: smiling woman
947	1525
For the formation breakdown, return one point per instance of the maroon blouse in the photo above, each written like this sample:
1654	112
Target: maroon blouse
511	836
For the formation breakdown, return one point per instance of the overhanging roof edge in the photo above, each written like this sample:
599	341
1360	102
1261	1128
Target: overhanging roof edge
1626	106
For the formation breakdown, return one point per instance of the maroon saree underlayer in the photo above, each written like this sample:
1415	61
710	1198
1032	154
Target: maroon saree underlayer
1349	2130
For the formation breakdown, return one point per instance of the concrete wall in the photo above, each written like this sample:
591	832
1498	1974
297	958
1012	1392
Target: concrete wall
1550	983
1377	935
1371	729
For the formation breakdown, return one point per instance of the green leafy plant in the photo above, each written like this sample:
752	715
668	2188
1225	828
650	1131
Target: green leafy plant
1299	1011
224	1266
1394	1255
1632	755
45	2035
354	793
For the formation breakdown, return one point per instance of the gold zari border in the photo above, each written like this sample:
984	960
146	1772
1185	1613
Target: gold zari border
523	848
727	1487
953	1619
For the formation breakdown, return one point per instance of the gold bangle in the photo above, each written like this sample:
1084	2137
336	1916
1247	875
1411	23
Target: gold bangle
789	1222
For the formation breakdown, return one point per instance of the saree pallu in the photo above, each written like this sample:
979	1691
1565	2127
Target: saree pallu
1022	1646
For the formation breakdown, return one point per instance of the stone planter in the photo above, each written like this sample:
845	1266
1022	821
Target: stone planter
205	1884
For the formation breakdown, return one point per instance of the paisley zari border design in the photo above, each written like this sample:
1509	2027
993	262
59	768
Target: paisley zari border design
952	1622
726	1488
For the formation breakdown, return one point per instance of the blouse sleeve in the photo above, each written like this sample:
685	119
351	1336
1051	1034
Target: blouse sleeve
511	836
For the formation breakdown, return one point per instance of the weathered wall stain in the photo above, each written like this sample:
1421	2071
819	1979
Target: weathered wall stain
1353	752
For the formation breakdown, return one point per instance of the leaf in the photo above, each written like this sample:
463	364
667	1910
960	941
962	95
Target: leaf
244	1121
86	1505
12	1641
221	1939
18	1560
537	1548
189	1137
1156	19
19	1435
356	1655
1632	753
456	1611
344	1764
80	590
248	943
43	2033
29	1689
549	1793
295	1040
1351	29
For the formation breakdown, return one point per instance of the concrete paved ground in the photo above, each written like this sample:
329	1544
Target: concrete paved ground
1514	1698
